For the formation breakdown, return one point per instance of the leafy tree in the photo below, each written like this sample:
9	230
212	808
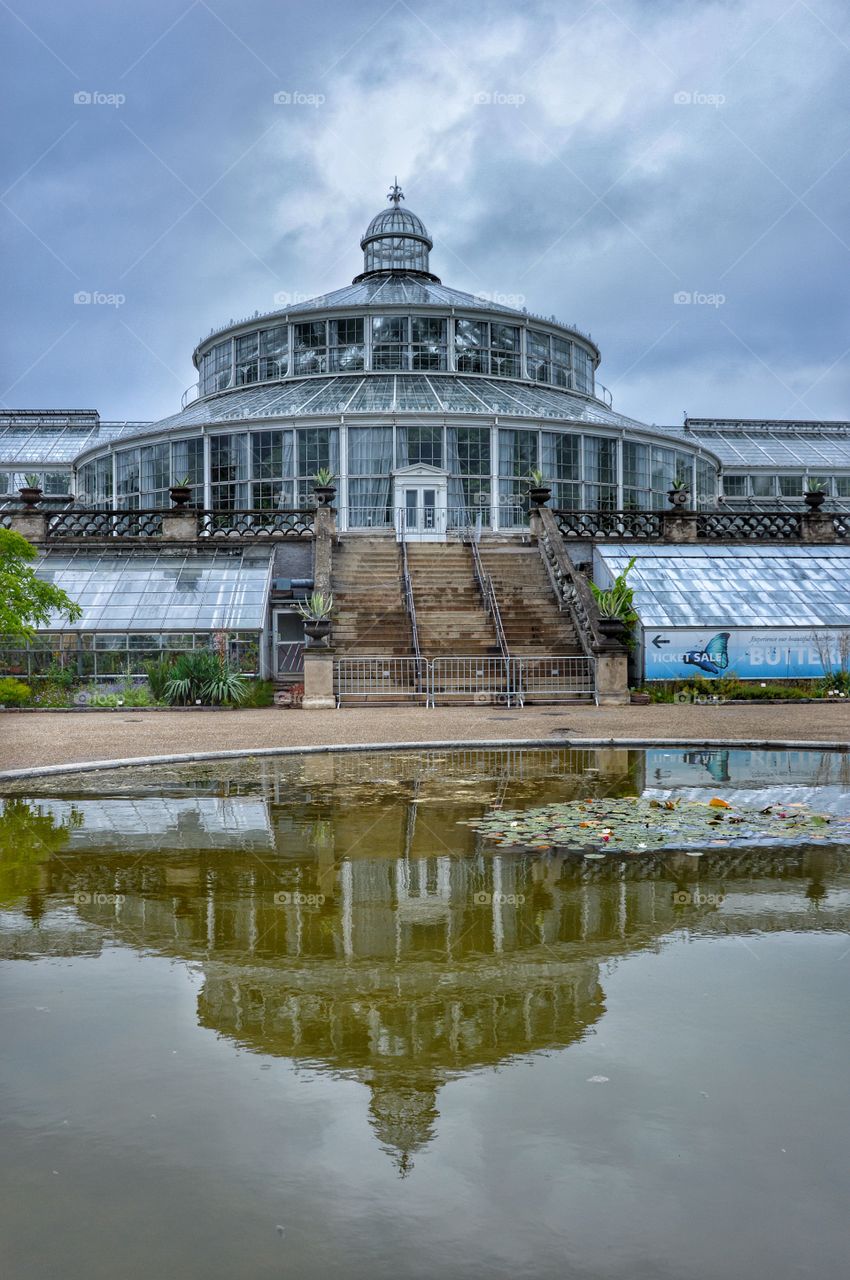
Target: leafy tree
25	600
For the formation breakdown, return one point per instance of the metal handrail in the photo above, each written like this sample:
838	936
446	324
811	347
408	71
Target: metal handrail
572	589
488	595
410	604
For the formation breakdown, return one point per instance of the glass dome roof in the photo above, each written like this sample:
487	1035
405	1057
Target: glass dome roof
396	242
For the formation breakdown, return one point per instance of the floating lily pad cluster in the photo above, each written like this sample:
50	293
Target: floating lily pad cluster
635	824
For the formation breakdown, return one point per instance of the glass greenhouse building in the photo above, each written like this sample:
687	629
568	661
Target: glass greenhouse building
399	371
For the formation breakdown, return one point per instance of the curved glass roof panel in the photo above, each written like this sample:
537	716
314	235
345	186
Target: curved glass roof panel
44	440
399	392
774	445
768	586
161	591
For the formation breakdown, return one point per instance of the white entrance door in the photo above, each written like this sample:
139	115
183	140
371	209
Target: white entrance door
420	502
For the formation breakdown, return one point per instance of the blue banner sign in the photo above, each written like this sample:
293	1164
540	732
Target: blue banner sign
748	653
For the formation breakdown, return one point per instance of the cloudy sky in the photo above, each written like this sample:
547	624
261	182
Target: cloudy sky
672	177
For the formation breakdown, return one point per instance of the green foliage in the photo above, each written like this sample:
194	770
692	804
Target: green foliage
25	600
14	693
835	682
317	607
158	674
618	600
32	481
259	693
204	676
816	486
537	479
324	478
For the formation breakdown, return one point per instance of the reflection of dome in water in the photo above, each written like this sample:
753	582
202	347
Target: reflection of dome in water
403	1117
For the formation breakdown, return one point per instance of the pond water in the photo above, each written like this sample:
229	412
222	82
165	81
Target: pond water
299	1018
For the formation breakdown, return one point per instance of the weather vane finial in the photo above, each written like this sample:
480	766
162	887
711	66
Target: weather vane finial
395	193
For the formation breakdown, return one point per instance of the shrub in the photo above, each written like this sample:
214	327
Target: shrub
203	676
259	693
158	674
14	693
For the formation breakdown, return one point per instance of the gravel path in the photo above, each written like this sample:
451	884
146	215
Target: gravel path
46	738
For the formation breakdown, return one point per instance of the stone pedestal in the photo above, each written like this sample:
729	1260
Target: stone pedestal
324	531
180	525
32	525
318	679
612	678
678	526
817	526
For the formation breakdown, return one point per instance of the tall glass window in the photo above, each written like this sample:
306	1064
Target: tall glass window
420	444
600	473
561	363
468	464
637	495
517	457
505	350
274	352
429	343
311	347
187	467
706	483
317	447
346	346
155	477
217	368
561	465
583	370
127	478
471	341
247	359
229	471
370	463
272	458
389	342
537	356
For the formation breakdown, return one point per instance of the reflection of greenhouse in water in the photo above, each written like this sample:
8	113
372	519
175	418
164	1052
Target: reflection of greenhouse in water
344	918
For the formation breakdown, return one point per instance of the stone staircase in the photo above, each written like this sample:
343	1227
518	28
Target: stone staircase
369	611
532	621
449	612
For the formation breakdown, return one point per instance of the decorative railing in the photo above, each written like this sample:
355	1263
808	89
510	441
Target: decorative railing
105	524
488	596
410	605
572	588
746	526
586	526
256	524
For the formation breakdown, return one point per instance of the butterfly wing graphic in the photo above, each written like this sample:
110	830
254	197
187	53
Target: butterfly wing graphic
717	650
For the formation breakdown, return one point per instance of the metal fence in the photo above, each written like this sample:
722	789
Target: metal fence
381	680
465	679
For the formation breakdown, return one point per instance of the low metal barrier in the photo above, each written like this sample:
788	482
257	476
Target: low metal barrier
381	679
553	678
290	657
469	679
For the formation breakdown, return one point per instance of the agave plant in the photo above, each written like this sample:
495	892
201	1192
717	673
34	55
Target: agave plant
617	601
323	478
317	607
537	479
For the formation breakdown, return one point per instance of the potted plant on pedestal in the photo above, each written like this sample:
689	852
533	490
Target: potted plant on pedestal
815	494
324	487
180	492
316	612
616	606
538	490
31	490
678	493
